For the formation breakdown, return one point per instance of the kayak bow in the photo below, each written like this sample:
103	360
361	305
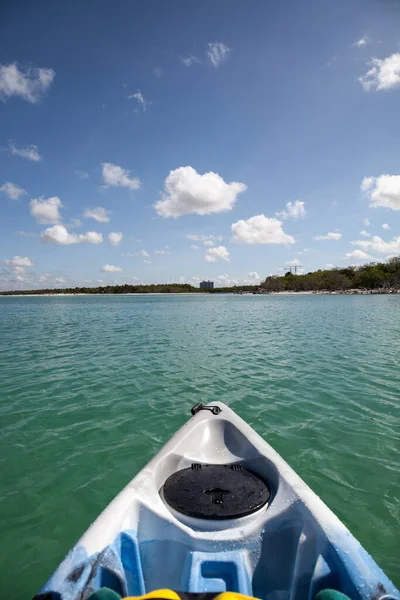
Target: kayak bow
217	509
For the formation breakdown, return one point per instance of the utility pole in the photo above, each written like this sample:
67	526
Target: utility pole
290	267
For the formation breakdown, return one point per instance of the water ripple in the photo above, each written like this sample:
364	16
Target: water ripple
92	386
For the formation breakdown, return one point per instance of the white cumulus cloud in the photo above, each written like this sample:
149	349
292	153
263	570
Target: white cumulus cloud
293	210
58	234
12	190
217	253
225	281
30	152
110	269
377	245
144	253
115	238
113	175
188	192
99	214
28	83
18	261
260	230
332	235
382	191
365	233
254	276
162	252
386	226
357	255
217	53
46	211
384	74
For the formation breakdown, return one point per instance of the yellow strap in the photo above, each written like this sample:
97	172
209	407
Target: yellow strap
171	595
165	594
232	596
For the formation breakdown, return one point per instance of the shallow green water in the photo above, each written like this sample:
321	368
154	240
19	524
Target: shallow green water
92	386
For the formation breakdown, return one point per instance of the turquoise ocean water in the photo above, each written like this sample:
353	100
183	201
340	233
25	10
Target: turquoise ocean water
92	386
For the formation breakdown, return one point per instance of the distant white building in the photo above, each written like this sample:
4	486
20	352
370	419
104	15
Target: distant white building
206	285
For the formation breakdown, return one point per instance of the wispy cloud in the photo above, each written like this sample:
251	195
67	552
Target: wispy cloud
190	60
12	190
99	214
330	62
158	72
113	175
362	42
208	240
82	174
29	152
332	235
217	53
138	96
29	83
25	233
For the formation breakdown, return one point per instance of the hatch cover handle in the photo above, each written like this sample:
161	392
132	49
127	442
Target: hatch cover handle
200	406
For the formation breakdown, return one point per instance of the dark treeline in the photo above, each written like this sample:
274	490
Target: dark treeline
161	288
373	276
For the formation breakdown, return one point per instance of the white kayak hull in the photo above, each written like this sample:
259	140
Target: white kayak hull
290	548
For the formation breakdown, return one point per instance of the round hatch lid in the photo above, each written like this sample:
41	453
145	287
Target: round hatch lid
215	491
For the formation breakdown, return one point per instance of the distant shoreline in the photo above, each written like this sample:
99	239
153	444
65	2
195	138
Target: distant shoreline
354	292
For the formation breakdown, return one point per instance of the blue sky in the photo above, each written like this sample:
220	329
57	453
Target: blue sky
210	139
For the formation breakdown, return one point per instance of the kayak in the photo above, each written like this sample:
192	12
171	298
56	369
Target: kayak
218	510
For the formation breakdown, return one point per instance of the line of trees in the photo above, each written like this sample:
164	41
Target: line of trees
161	288
372	276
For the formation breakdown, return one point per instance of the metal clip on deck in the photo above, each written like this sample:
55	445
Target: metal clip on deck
200	406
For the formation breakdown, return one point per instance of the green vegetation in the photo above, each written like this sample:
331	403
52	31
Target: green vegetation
161	288
384	277
373	276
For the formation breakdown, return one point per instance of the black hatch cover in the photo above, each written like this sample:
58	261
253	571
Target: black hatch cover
215	491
